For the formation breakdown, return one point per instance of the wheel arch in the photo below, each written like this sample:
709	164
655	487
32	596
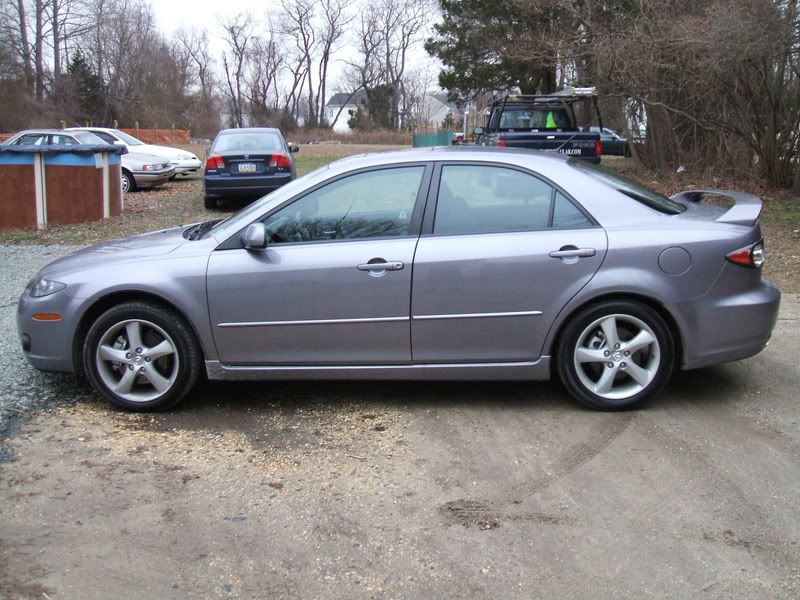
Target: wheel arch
649	301
103	303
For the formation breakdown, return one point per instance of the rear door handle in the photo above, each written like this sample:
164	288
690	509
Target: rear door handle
394	265
571	251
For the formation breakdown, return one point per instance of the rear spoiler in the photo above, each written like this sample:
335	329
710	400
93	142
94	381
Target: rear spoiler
745	212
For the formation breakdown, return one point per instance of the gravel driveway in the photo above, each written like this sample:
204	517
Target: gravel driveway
373	490
23	389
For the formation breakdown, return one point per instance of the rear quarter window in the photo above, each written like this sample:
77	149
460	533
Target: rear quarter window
633	190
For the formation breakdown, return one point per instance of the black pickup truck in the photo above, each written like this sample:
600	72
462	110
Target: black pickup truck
543	122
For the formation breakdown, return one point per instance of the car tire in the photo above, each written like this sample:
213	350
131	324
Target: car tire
210	203
141	356
128	182
615	354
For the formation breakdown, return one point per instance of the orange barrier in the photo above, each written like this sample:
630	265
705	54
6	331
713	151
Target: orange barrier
160	136
148	136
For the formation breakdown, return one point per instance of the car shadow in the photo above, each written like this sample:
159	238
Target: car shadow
225	406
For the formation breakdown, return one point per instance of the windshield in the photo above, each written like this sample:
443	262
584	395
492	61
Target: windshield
535	118
243	217
84	137
630	188
128	139
249	141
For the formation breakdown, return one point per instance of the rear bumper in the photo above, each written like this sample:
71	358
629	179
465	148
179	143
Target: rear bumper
227	185
729	327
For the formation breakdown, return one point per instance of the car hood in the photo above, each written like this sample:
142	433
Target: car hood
135	160
164	151
131	248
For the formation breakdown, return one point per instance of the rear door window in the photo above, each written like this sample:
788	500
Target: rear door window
487	199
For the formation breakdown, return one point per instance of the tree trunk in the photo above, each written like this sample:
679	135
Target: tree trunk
56	45
26	47
38	51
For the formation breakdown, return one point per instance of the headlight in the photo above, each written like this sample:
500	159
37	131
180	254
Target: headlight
157	167
44	287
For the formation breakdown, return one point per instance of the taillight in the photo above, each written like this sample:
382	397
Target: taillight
501	143
598	148
279	160
749	256
215	162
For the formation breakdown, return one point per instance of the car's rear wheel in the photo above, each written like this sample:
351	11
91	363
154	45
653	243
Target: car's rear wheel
141	356
615	354
128	183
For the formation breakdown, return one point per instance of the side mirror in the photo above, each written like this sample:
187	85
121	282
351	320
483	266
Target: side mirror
294	149
124	150
255	237
478	130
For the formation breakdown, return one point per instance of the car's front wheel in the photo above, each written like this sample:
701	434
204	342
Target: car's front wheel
141	356
614	354
128	183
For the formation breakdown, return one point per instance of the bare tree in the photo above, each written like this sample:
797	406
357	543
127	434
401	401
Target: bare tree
297	24
335	21
238	34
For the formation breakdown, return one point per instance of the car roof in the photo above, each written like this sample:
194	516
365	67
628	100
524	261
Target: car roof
520	156
48	131
249	130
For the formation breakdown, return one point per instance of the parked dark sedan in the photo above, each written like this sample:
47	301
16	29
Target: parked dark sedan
614	144
247	163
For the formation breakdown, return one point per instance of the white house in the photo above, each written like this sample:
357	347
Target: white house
433	109
341	104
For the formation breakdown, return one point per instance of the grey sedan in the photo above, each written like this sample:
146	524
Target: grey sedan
455	264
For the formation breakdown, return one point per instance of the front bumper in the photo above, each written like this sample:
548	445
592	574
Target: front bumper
186	167
47	345
151	179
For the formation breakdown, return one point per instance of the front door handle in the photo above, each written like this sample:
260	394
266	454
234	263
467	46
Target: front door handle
573	252
382	265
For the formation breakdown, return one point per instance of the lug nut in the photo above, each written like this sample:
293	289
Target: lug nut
627	353
606	353
138	351
128	355
624	365
616	346
610	365
130	367
141	370
146	359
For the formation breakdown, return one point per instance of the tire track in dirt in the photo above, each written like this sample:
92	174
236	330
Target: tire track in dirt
579	454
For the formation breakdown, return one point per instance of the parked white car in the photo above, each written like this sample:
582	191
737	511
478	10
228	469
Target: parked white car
139	171
185	162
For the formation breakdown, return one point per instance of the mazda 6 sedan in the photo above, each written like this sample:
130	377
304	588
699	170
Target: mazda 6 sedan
450	264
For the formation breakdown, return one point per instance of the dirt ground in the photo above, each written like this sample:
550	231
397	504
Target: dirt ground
387	490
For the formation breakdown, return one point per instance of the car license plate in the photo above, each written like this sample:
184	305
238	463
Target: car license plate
247	168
